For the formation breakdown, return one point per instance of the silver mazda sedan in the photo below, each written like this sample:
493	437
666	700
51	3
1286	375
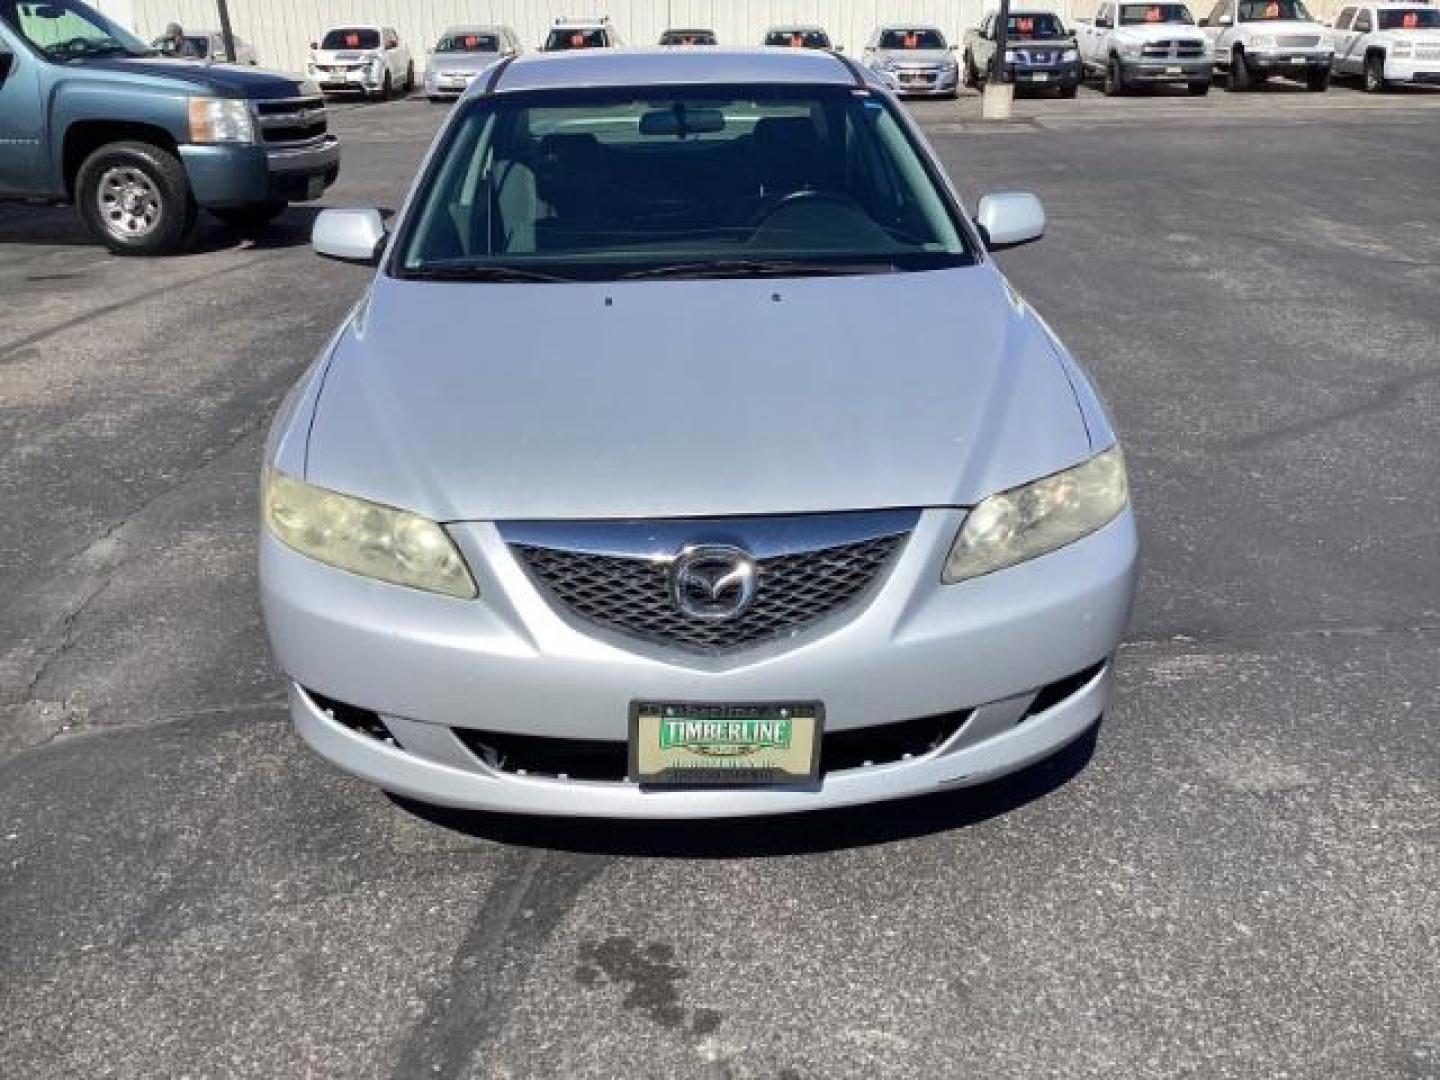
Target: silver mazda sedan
689	456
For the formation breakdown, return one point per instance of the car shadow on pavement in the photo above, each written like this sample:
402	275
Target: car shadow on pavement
794	834
61	227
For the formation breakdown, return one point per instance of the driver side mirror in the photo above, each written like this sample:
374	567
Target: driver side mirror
1010	218
351	235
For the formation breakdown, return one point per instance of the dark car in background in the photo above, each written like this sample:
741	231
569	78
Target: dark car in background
672	39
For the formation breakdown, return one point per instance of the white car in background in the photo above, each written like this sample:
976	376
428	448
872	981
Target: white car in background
580	34
1389	45
1254	39
1130	45
462	53
371	60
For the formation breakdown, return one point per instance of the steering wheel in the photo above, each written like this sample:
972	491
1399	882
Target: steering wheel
798	198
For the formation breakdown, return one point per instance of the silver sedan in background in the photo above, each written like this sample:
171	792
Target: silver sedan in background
614	496
462	53
914	60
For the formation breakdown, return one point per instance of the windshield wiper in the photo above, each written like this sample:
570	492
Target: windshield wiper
756	268
492	274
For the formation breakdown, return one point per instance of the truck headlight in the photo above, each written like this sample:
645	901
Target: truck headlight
1264	41
363	537
1010	56
221	120
1038	518
1130	50
1069	56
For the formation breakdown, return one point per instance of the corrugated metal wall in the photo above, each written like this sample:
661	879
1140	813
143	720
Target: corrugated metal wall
282	29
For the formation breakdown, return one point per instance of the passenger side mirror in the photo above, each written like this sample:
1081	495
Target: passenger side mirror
314	45
1009	219
351	235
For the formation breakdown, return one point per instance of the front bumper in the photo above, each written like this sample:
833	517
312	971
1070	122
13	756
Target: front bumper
229	176
354	80
1423	72
1062	76
510	664
1288	63
941	82
1167	71
447	86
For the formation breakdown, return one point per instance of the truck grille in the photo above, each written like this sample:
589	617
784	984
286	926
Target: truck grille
1173	50
292	120
631	593
1297	41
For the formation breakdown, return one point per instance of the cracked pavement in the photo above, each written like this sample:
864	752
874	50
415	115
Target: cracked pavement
1240	882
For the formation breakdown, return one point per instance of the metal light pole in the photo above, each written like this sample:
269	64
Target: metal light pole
995	105
227	36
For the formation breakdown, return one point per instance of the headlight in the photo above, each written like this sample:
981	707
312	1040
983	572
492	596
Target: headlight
377	65
1069	56
221	120
1264	41
1040	517
1130	50
363	537
309	89
1010	55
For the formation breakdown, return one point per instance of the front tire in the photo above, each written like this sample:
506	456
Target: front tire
1241	78
247	219
387	87
1317	82
1199	89
135	198
410	79
1375	74
1114	84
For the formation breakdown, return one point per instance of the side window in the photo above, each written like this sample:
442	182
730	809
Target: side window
1219	12
1343	21
1363	23
1102	17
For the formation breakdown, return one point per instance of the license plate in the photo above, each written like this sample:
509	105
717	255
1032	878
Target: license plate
1297	60
1174	70
675	745
1040	76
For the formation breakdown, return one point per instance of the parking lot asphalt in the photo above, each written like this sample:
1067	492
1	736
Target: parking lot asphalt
1240	881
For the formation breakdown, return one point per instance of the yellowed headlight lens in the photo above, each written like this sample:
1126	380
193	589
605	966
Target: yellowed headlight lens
363	537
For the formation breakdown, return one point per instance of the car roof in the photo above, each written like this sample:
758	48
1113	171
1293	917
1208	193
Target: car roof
790	28
909	26
664	67
473	28
354	26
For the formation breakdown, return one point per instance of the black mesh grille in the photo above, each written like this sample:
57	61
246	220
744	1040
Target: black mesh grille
632	595
292	120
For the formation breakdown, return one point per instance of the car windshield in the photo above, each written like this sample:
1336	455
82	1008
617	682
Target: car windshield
562	40
468	43
345	37
912	39
188	47
69	30
1273	11
798	39
715	181
1036	26
688	37
1413	19
1141	14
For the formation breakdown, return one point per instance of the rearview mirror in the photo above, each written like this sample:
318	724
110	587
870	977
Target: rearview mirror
1010	218
681	122
352	235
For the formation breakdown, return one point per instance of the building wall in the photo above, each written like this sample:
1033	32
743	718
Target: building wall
282	29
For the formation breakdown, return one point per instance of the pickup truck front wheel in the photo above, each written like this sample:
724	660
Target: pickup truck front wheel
1114	84
1241	78
1375	74
135	198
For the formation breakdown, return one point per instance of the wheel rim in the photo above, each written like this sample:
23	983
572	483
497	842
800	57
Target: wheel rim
129	203
1372	77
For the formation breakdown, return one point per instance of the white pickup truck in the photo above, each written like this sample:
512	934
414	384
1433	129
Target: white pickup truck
1389	45
369	59
1128	45
1254	39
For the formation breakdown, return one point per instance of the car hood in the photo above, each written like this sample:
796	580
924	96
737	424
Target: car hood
461	61
221	80
904	57
692	398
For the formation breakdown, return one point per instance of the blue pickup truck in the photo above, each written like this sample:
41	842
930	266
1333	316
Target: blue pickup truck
91	115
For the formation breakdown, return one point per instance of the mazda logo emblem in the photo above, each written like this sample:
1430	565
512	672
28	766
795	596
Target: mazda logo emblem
714	582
